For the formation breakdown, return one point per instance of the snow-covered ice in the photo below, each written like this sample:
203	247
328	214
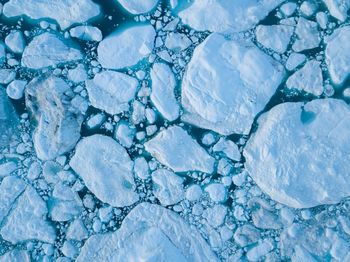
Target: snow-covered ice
221	94
111	91
176	149
275	37
127	47
48	50
137	7
300	154
87	33
65	12
106	169
226	15
308	36
338	8
15	89
15	42
149	232
163	87
338	55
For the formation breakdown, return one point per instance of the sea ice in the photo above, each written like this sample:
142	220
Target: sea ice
149	232
15	42
8	119
106	169
15	255
220	93
176	149
338	54
226	15
15	89
308	36
163	87
300	153
275	37
137	7
87	33
65	12
126	48
48	50
294	60
111	91
338	8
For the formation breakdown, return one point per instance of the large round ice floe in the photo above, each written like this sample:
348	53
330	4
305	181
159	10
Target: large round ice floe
65	12
338	55
137	7
106	169
126	48
227	83
226	15
149	233
300	154
47	50
111	91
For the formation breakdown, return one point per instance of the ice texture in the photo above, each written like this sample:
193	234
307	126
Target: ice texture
300	154
338	8
48	50
8	119
226	15
111	91
176	149
126	48
49	99
87	33
220	93
106	169
137	7
65	12
275	37
149	232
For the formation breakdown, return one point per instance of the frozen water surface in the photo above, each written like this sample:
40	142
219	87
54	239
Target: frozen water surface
174	130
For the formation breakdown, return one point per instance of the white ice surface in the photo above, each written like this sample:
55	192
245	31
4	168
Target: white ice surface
149	233
220	93
15	42
87	33
176	149
300	153
308	35
48	50
15	89
137	7
65	12
163	87
226	15
106	169
338	8
126	48
111	91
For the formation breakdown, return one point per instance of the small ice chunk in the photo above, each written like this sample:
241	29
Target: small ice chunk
16	255
260	250
111	91
15	41
48	50
77	74
137	7
15	89
126	48
217	192
176	149
308	8
167	187
106	169
208	139
65	12
141	168
194	192
215	215
308	35
177	41
7	168
163	87
77	230
338	55
95	121
308	78
322	19
294	60
7	75
338	8
8	119
226	15
229	148
275	37
149	233
125	134
296	143
86	33
288	8
221	94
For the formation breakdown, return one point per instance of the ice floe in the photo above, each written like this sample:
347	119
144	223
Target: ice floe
87	33
299	154
218	90
8	118
137	7
338	8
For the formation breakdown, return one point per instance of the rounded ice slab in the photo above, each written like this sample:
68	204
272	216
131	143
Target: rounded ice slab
300	154
47	50
126	48
137	7
149	233
106	169
338	55
227	83
65	12
226	15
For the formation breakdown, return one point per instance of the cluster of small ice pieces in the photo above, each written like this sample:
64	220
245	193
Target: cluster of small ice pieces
174	130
